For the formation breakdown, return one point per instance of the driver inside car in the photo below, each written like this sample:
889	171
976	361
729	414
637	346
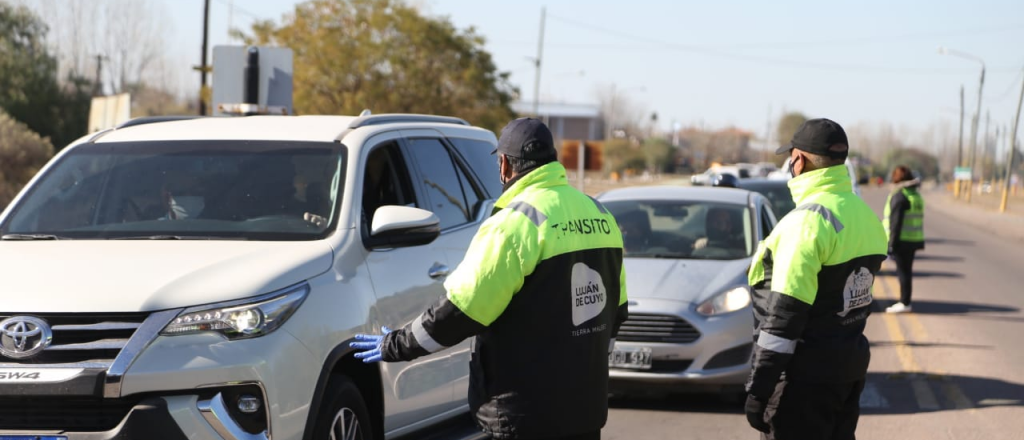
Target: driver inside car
723	230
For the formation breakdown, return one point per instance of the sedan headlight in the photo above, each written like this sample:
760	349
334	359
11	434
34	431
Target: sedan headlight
729	301
240	319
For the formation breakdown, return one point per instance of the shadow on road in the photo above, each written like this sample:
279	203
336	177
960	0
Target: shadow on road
989	312
949	241
901	393
923	256
928	345
697	403
924	273
958	308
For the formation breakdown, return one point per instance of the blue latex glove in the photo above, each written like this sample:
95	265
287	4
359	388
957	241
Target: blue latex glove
370	344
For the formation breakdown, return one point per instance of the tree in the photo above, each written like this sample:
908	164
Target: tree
29	89
788	125
385	56
22	154
926	165
28	82
659	155
621	155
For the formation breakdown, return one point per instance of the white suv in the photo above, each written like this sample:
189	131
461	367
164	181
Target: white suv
202	278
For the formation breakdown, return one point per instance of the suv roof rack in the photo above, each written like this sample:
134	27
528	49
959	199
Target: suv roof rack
388	118
154	119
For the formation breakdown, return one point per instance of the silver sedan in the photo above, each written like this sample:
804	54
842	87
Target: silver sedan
687	251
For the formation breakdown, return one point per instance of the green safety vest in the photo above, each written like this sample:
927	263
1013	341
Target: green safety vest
913	219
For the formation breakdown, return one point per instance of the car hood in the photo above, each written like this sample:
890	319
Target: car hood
689	281
137	276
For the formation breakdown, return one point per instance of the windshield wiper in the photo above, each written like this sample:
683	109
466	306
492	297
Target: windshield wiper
175	237
30	237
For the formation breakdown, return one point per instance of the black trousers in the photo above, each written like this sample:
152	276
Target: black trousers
819	411
905	272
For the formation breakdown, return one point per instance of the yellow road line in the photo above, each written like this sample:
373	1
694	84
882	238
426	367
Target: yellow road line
896	335
922	391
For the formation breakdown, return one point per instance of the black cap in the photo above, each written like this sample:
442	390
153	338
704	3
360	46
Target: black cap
821	136
526	138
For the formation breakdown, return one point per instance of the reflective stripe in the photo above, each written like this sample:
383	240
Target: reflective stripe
824	212
423	338
600	207
774	343
529	211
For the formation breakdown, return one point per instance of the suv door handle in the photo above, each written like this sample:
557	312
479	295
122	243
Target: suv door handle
438	270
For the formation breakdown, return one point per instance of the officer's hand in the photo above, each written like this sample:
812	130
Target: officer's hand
755	414
370	345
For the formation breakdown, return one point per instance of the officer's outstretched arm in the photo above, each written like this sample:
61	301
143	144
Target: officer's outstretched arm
478	291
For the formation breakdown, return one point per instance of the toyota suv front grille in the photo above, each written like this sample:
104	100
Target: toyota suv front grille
82	338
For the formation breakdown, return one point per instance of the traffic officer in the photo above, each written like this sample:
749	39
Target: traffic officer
542	287
904	224
812	279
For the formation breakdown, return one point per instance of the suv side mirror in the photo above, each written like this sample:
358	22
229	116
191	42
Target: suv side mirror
402	226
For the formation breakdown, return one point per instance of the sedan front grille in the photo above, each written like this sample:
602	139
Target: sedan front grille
83	338
642	327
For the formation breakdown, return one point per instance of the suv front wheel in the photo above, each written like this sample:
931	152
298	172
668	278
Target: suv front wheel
345	416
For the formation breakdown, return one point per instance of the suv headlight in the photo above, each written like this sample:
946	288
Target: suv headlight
248	318
729	301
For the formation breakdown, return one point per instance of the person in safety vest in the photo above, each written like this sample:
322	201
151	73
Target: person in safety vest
542	287
812	279
904	224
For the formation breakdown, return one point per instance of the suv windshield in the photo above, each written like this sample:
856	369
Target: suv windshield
258	190
683	229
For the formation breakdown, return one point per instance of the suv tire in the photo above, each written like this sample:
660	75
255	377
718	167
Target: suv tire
344	415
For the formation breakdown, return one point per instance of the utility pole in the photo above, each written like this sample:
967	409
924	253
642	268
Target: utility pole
960	146
1013	150
974	132
766	149
97	89
984	147
202	62
540	54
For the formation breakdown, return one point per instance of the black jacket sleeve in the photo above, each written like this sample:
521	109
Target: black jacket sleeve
780	321
898	207
441	326
620	317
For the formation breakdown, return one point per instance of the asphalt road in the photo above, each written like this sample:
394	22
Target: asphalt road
953	369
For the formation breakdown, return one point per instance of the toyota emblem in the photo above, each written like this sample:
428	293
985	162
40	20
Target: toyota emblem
24	336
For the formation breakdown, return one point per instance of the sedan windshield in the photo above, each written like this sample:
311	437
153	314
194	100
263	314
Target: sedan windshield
257	190
683	229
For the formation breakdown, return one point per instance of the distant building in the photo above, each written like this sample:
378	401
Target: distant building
567	121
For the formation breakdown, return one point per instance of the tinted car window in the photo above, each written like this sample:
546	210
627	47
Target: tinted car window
683	229
484	164
441	181
766	223
259	190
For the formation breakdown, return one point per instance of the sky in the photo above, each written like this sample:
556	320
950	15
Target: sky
725	63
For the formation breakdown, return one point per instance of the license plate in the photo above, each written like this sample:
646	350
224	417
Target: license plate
33	437
638	358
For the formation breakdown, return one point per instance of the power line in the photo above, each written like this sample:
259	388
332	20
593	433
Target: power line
705	50
237	8
1009	89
